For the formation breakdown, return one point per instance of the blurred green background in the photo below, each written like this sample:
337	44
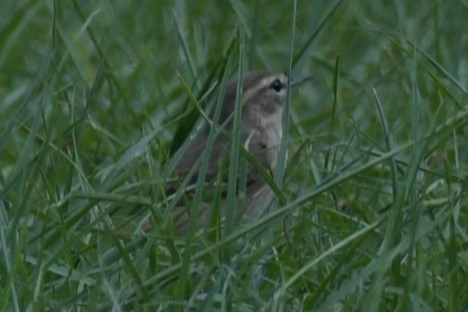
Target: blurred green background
91	97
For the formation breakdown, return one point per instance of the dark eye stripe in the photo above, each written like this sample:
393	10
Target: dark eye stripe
276	85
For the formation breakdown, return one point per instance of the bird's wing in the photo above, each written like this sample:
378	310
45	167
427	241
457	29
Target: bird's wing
220	150
250	139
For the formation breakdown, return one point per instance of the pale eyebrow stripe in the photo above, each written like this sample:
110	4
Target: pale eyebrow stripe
264	82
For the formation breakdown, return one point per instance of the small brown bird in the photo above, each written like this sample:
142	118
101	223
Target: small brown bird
260	132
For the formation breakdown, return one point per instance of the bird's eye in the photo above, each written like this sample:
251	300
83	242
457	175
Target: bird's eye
276	85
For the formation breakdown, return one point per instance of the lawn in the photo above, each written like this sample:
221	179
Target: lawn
98	97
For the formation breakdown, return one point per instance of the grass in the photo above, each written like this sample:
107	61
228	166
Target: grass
97	97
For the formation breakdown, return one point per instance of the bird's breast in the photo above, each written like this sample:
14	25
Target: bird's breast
273	133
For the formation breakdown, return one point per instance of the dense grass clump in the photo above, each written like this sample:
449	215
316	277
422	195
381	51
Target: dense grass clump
96	97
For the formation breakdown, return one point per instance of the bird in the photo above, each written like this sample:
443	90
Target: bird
264	95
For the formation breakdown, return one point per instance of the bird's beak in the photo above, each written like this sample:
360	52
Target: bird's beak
297	80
